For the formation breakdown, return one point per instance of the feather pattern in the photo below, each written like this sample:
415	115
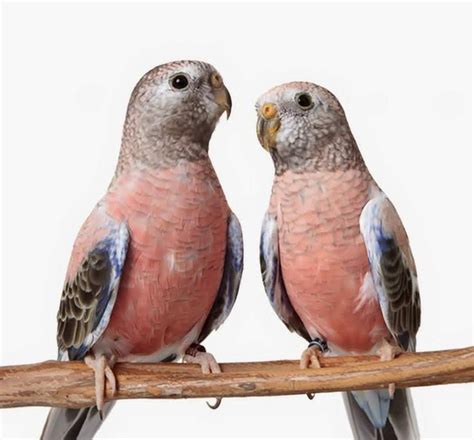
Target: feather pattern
178	218
232	274
89	294
273	279
393	269
401	423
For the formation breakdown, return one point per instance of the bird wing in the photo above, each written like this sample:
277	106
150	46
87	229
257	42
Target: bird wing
230	282
393	269
91	284
273	279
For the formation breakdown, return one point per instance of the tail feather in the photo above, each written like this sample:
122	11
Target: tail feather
375	403
72	424
402	415
362	428
401	423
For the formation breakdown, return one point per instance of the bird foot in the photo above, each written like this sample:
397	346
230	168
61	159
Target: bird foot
310	357
103	373
196	354
386	352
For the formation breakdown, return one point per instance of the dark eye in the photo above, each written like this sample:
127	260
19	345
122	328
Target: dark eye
179	81
304	101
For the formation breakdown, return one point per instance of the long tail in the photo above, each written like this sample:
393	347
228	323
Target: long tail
399	424
72	424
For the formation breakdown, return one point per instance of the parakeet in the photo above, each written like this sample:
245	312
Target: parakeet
157	264
335	258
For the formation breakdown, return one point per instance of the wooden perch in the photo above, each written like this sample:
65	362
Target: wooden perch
71	384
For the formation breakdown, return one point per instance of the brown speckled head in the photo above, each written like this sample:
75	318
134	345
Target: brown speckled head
171	115
304	128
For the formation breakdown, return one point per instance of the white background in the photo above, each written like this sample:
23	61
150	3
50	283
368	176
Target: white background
403	74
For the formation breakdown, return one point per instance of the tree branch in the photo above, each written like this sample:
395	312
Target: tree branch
71	384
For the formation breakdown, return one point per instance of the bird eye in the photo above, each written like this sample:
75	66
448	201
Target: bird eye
179	81
304	101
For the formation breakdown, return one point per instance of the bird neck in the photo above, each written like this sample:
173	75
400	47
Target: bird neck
337	150
153	147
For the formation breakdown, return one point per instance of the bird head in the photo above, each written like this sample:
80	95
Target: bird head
173	111
303	127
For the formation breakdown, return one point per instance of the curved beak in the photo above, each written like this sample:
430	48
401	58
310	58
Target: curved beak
268	124
223	99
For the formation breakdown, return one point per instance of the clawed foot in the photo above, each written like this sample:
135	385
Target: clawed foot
103	373
310	358
196	354
386	352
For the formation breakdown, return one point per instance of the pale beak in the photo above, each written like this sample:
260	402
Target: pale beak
223	99
268	124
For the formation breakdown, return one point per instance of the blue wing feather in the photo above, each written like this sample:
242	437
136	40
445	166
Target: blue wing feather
114	246
393	271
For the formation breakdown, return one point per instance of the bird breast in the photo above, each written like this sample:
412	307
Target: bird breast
177	219
323	256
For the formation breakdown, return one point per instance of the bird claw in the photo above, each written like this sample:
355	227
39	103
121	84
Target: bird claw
310	358
310	395
216	405
206	360
391	390
387	352
196	354
103	373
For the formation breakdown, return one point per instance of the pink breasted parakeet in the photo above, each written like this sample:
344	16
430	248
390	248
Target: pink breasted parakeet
157	264
335	258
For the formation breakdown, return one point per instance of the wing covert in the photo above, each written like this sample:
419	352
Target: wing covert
393	269
90	291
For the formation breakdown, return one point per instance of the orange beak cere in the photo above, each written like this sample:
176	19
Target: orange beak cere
268	125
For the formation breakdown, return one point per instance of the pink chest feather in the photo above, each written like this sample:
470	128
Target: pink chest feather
177	220
324	259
